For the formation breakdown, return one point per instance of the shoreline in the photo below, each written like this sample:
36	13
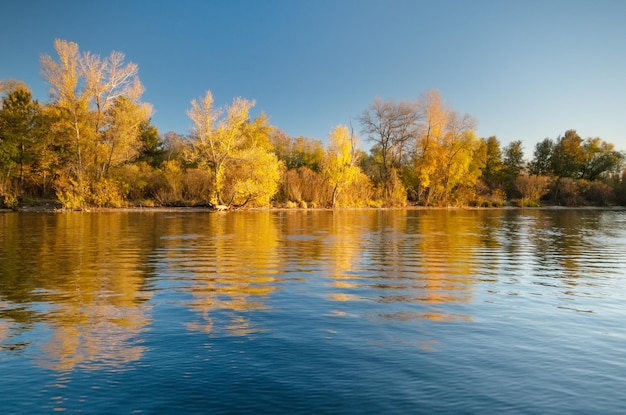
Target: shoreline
55	209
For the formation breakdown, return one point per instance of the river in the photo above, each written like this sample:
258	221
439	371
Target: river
349	311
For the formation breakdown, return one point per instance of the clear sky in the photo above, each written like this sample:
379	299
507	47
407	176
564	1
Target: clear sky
525	69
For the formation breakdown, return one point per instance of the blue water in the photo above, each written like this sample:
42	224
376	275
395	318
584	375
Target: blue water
367	311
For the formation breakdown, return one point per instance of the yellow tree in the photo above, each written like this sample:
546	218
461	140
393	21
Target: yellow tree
252	177
85	88
444	150
121	141
236	151
253	173
433	117
217	134
339	163
113	89
459	147
64	79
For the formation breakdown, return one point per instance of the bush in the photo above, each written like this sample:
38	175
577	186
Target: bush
105	193
599	193
532	188
134	180
168	185
70	193
197	186
567	192
395	193
357	194
9	201
302	185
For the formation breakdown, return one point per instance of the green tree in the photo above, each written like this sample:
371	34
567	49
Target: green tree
20	132
297	152
493	170
568	156
540	164
153	149
513	165
600	158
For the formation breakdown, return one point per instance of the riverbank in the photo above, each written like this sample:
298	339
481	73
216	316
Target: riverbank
50	207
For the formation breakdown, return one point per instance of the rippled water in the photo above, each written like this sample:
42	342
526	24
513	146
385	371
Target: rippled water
373	311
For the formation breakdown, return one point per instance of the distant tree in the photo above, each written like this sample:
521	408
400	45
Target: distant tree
572	157
391	127
152	147
568	156
297	152
121	141
513	165
600	158
493	170
88	92
175	146
66	90
9	86
253	174
541	162
236	151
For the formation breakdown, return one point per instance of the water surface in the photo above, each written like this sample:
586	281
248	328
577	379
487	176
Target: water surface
372	311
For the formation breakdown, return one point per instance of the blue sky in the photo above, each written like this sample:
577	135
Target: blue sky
525	69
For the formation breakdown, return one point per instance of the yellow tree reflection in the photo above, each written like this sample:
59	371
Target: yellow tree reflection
447	261
343	253
98	303
230	268
422	258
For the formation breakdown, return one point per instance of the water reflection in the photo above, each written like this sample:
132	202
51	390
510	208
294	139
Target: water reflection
411	262
81	288
228	265
569	250
81	277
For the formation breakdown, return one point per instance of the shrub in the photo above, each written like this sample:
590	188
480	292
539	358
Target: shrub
105	193
302	185
134	180
567	192
532	188
197	186
9	201
70	193
599	193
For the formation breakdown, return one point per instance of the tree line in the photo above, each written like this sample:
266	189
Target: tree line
93	145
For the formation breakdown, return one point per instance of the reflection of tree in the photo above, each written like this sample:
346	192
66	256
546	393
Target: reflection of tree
565	245
88	271
447	260
344	251
229	267
419	258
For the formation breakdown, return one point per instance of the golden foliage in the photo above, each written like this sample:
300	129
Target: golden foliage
339	164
